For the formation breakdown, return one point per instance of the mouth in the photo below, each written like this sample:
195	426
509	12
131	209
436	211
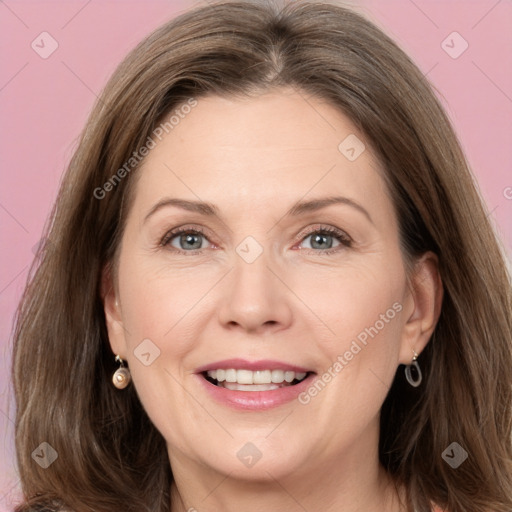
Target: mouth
237	379
254	385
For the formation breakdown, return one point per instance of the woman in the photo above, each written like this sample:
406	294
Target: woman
347	348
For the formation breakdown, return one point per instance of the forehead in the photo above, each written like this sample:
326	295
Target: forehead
283	145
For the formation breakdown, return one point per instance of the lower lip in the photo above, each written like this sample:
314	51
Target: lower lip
255	400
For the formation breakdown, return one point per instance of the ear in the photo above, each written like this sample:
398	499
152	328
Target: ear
423	307
113	316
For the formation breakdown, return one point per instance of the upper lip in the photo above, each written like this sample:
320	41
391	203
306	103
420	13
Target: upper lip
243	364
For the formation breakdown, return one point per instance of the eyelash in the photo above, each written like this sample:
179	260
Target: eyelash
341	236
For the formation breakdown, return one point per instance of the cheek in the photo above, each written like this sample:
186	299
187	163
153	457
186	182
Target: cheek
159	301
339	304
355	303
157	306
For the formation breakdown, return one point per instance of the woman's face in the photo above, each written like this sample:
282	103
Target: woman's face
258	282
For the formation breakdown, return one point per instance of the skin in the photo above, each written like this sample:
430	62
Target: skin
293	303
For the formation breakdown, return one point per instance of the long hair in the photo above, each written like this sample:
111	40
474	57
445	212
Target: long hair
110	456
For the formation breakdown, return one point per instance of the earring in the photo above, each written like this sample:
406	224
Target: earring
415	382
122	376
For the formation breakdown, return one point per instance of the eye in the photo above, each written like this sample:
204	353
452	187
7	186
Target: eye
322	239
185	240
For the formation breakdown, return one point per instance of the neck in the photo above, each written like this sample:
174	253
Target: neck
349	482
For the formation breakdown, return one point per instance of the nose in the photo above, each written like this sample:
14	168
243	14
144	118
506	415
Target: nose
255	298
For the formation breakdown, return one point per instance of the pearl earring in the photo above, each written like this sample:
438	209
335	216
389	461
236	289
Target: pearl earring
122	376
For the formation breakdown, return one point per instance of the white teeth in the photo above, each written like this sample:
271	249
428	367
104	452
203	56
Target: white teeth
262	377
244	377
252	387
231	375
289	376
277	376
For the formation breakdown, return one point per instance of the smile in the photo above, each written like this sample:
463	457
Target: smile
260	380
253	385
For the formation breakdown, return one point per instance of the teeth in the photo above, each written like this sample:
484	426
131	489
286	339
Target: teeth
250	387
277	376
244	377
233	376
261	377
289	376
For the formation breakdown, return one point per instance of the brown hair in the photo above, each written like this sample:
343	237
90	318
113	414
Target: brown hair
110	456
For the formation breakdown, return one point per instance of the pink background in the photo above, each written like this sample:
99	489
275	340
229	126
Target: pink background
45	103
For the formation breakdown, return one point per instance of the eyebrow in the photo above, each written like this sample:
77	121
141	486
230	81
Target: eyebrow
300	208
